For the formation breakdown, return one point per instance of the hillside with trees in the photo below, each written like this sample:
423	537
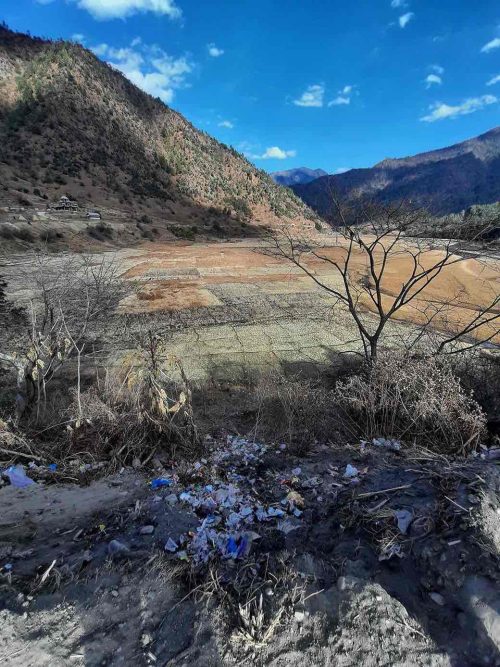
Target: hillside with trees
72	125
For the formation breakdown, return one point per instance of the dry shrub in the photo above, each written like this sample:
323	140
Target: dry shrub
479	372
412	399
136	412
293	410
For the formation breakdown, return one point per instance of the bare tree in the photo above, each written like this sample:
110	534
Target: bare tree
369	238
67	296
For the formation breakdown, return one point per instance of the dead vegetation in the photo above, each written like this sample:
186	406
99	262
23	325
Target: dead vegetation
416	400
132	414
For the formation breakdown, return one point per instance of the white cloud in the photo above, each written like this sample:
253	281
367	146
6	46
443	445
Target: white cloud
148	67
312	97
341	170
226	123
433	79
78	37
339	101
440	111
494	44
100	49
493	80
214	51
396	4
274	153
112	9
405	19
437	69
343	97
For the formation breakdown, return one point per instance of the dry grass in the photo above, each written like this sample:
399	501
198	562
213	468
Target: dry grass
294	411
413	400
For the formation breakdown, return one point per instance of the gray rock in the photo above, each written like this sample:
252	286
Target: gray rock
437	598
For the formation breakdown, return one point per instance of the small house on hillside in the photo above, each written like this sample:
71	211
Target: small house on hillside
64	204
93	215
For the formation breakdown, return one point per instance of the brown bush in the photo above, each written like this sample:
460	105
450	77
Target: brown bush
413	400
479	372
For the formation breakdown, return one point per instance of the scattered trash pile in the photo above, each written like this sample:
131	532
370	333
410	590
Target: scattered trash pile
224	498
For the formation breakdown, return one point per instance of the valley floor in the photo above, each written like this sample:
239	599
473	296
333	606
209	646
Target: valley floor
232	307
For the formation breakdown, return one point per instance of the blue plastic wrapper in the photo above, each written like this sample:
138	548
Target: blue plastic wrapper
18	477
232	547
159	482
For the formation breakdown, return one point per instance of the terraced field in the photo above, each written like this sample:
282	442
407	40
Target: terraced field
233	305
228	309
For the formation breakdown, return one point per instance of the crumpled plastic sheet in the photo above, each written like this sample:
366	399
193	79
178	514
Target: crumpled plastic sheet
387	443
404	519
18	477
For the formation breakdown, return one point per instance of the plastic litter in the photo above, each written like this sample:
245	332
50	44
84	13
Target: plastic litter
170	545
294	499
350	471
437	598
117	547
404	519
392	550
52	467
232	547
159	482
492	454
394	445
275	511
287	526
18	477
225	504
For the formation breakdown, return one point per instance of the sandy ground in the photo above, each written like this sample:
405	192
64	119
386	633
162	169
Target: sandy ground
328	598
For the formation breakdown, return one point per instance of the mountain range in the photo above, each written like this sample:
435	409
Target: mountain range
72	125
447	180
297	176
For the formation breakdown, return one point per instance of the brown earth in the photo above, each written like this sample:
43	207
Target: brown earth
173	277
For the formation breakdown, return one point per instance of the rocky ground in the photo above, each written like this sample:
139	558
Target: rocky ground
365	555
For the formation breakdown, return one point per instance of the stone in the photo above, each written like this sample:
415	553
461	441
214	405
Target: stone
437	598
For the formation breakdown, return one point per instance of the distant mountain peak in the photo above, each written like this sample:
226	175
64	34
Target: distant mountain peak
297	176
446	180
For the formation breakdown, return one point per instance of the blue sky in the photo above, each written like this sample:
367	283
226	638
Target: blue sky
317	83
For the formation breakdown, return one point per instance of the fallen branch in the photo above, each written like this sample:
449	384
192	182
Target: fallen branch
27	456
376	493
